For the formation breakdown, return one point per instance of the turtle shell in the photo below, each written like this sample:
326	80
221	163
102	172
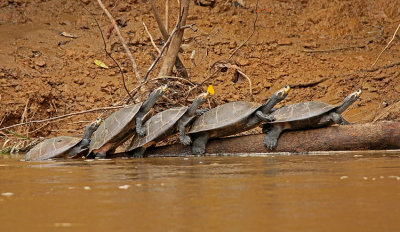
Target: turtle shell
229	117
301	111
116	125
159	126
52	148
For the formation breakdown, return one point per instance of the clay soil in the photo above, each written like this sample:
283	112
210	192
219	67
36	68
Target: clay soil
324	49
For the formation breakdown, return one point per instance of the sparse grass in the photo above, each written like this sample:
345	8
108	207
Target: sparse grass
15	143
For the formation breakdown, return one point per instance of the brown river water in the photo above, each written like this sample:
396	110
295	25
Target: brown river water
320	192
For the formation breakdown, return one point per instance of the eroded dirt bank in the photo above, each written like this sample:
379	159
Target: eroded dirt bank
323	48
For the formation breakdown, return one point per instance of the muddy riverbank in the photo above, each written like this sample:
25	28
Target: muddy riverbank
323	48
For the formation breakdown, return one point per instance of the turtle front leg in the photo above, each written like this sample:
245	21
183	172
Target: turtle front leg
337	118
266	128
183	137
78	148
138	152
140	129
199	112
271	139
101	155
199	144
333	117
265	118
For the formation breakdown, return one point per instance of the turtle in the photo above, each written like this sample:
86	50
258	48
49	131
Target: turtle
63	145
165	123
120	125
232	118
306	115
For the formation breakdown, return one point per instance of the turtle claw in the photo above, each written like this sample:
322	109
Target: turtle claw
270	143
100	156
199	112
185	140
141	131
138	153
266	128
198	150
137	156
270	118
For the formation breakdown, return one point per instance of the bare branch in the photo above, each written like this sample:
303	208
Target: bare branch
176	41
151	38
166	14
159	55
252	33
394	35
249	80
128	52
386	111
309	84
180	67
334	49
62	116
109	54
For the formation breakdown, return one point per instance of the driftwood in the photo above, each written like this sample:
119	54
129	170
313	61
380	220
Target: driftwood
176	41
180	67
369	136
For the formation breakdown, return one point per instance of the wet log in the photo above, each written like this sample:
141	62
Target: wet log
382	135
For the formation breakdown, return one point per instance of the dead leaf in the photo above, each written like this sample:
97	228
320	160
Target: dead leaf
69	35
100	64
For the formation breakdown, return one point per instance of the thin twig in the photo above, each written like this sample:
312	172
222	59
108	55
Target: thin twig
31	132
151	38
380	67
166	14
333	49
62	116
309	84
252	33
386	111
128	52
134	91
248	79
109	54
201	83
394	35
79	122
4	117
173	78
23	116
159	55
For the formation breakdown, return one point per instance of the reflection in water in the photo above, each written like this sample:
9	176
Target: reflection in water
275	193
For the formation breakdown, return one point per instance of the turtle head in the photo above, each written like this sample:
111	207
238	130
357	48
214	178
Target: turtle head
282	93
357	93
199	100
275	99
153	97
350	99
353	96
160	91
97	122
91	128
204	96
94	125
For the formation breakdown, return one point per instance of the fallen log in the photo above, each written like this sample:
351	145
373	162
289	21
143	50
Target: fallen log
382	135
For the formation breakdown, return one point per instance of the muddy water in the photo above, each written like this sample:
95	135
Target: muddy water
342	192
